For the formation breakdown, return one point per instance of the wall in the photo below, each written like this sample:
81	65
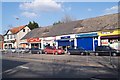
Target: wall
20	35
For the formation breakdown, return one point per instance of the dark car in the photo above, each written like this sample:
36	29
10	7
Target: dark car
106	51
35	51
78	51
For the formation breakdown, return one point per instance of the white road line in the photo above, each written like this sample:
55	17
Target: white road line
7	70
24	67
13	71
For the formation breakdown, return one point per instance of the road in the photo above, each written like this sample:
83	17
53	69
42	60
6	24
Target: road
60	66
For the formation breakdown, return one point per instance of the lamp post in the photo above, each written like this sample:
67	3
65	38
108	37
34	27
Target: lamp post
18	38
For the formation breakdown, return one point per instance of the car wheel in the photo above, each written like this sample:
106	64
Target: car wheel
96	54
56	53
114	54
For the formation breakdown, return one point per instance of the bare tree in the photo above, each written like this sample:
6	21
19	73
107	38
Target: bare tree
67	18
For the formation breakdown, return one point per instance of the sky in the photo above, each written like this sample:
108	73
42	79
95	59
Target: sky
46	12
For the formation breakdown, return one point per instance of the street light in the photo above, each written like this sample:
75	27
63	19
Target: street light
18	37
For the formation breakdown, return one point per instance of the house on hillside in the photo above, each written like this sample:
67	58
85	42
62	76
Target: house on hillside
12	36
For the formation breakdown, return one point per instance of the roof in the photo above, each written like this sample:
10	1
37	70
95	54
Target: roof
16	29
75	27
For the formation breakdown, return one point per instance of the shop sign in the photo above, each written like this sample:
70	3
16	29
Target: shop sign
87	35
104	42
65	37
33	40
49	39
109	32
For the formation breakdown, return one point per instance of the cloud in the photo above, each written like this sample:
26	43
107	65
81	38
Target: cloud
29	14
111	10
89	9
41	6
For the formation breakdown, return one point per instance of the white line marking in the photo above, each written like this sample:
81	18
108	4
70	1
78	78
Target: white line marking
12	72
24	67
7	70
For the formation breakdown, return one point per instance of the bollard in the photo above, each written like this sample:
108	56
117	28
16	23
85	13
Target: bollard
118	68
11	54
110	58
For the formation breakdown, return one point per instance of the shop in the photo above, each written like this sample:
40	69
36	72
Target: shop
66	41
87	41
24	43
34	42
48	41
110	37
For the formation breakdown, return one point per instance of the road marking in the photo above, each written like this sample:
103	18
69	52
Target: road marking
13	71
24	67
7	70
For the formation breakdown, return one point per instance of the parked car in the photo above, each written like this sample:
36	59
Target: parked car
22	50
53	50
26	50
10	50
18	50
35	51
77	51
106	50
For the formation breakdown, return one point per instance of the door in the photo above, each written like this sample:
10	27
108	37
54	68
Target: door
95	43
85	43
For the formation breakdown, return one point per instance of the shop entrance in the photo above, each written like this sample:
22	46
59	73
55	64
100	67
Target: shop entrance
35	45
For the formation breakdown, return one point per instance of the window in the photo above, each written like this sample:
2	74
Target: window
23	30
14	36
10	36
7	36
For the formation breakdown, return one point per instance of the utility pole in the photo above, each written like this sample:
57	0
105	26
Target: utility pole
18	38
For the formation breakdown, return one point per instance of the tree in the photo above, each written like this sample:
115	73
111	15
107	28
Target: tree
59	22
33	25
67	18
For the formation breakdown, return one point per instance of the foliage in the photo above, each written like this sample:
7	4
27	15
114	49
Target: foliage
33	25
59	22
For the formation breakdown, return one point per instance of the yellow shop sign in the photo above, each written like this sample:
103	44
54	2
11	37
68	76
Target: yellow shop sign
109	32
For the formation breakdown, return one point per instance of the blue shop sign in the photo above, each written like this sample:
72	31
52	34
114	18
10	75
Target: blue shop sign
65	37
86	35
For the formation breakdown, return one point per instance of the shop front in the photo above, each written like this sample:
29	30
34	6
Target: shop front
66	41
24	43
87	41
110	37
49	41
34	42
